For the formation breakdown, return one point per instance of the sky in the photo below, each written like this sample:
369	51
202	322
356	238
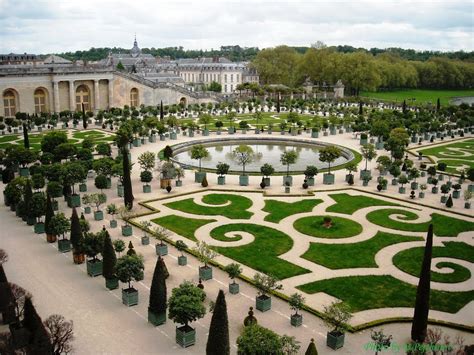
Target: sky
54	26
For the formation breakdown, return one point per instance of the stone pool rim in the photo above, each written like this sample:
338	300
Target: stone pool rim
184	146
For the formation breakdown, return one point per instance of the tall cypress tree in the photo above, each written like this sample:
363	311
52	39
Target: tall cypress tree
218	340
39	342
404	106
158	297
361	110
26	139
438	104
76	231
422	303
27	197
109	259
127	181
5	291
49	214
162	114
278	102
311	350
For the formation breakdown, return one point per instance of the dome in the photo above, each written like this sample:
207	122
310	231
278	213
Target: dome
135	51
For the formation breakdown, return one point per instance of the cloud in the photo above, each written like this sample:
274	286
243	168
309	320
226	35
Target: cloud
44	26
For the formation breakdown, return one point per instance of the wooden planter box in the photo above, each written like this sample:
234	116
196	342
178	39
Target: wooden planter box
127	230
98	215
164	183
78	258
263	303
178	183
25	172
296	320
145	240
328	179
94	268
335	340
182	260
243	180
199	176
185	336
129	296
147	189
112	284
39	228
64	245
221	180
401	190
156	318
456	194
87	210
74	201
161	249
414	185
421	194
205	273
234	288
30	221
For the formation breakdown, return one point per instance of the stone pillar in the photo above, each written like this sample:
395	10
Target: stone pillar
96	95
56	96
72	96
111	93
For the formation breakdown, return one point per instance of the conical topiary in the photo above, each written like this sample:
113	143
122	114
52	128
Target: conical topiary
109	259
449	202
218	340
422	303
163	265
76	232
127	181
48	215
311	349
131	250
158	297
39	341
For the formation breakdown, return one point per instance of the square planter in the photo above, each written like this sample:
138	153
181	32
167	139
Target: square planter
470	188
401	190
296	320
129	296
363	141
205	273
145	240
456	194
328	179
467	205
120	190
143	141
82	188
25	172
161	249
173	136
199	176
443	199
394	182
288	180
39	228
87	210
287	189
113	223
98	215
205	132
414	185
365	173
335	341
64	245
74	201
218	132
29	220
112	284
310	181
182	260
78	258
185	336
51	238
221	180
243	180
421	194
178	183
163	138
156	318
191	133
234	288
267	181
127	230
434	190
147	189
94	268
263	303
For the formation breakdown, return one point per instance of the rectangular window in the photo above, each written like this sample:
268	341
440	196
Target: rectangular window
225	78
225	88
231	78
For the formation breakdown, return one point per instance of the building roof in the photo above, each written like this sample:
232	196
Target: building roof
55	59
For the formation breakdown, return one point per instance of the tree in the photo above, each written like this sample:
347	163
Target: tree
199	152
101	182
127	181
296	302
73	173
397	142
61	333
205	119
60	225
381	341
186	304
158	295
146	161
368	152
449	202
120	66
267	170
76	232
93	244
215	86
103	149
204	253
39	342
218	340
51	140
266	284
130	268
329	154
287	158
311	350
222	168
243	155
233	270
256	339
336	316
109	259
168	153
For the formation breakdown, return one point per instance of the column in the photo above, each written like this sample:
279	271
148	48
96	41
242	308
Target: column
56	96
96	95
111	93
72	96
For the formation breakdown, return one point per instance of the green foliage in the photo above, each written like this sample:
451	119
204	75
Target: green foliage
182	226
278	210
215	86
51	140
222	168
101	182
186	303
38	205
146	176
204	253
311	171
109	259
76	232
119	245
336	316
233	270
349	204
39	341
267	170
93	244
218	340
103	149
287	158
243	155
146	161
329	154
130	268
256	339
311	350
59	224
266	284
199	152
49	213
158	289
296	302
339	227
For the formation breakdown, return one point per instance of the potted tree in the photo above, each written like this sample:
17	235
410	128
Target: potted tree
457	190
199	152
73	173
205	254
402	180
414	174
434	182
296	302
146	161
467	199
267	170
55	190
328	155
368	152
157	305
38	210
222	169
161	234
395	171
444	190
184	306
233	270
181	246
119	246
92	246
59	225
87	202
130	268
335	316
265	284
98	199
109	260
77	238
179	174
421	194
112	210
127	230
287	158
351	167
243	155
432	173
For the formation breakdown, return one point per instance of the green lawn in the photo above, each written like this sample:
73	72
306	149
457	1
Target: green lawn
410	261
422	96
442	226
235	210
185	227
262	253
277	210
451	157
362	254
371	292
341	227
348	204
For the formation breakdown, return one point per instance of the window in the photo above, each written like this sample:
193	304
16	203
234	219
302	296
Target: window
9	102
225	88
40	101
231	87
83	98
237	77
134	97
225	78
231	78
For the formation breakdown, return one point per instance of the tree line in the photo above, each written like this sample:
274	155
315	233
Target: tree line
360	70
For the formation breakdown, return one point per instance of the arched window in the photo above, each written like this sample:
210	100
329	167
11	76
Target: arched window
134	97
9	103
83	97
40	101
